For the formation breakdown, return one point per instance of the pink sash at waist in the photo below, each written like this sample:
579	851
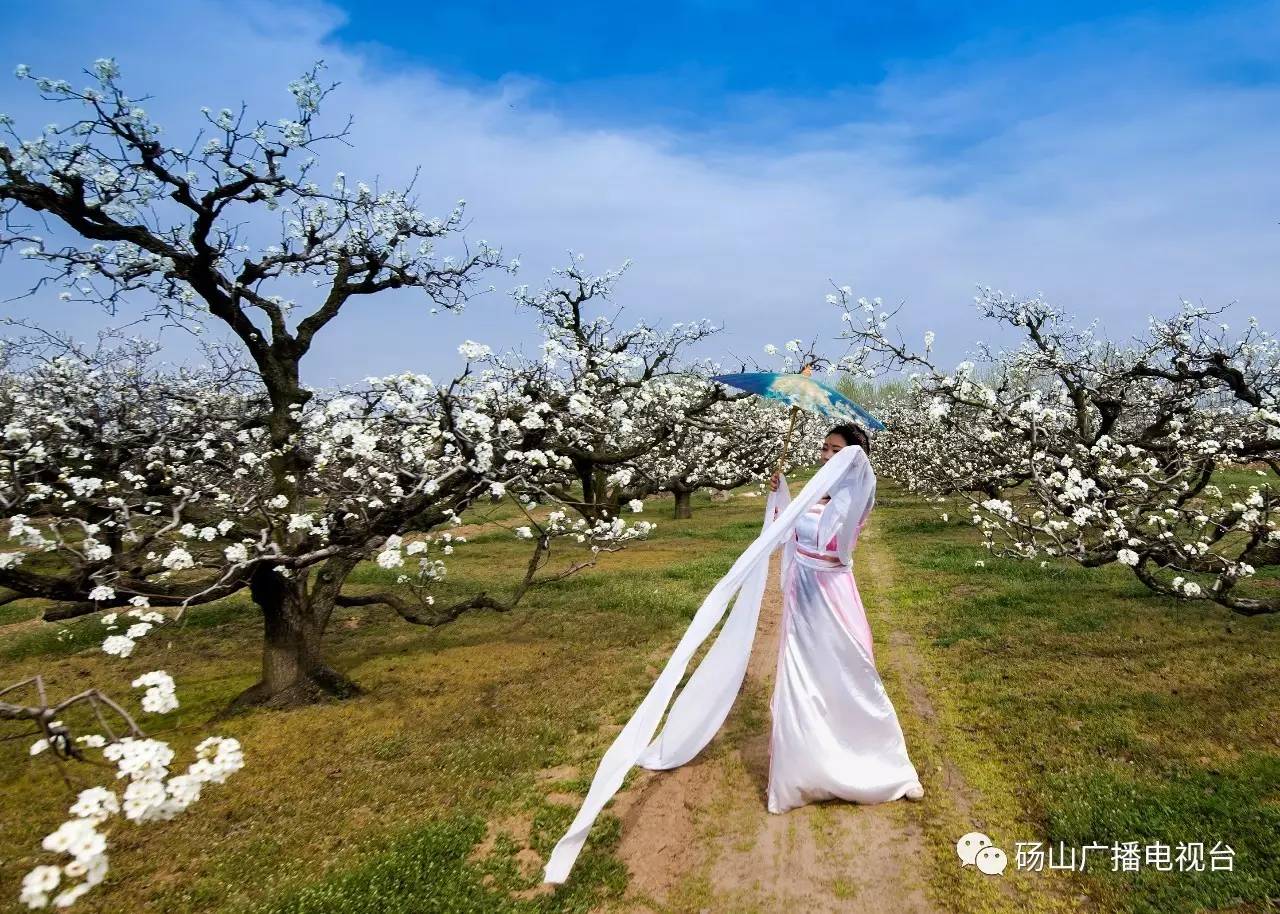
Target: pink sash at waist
823	560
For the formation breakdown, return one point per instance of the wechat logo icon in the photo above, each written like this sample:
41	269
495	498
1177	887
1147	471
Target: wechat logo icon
976	849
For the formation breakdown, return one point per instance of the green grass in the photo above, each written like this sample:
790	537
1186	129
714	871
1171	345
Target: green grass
1187	804
1077	706
428	871
20	611
1084	709
340	804
1243	477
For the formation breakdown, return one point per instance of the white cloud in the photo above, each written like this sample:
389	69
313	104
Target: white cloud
1109	182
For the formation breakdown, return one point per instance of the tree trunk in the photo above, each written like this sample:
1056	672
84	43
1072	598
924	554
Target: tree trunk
684	504
294	619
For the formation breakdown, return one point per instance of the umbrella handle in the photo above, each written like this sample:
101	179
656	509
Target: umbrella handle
795	414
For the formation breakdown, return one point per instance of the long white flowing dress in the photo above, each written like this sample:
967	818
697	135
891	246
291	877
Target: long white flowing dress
834	733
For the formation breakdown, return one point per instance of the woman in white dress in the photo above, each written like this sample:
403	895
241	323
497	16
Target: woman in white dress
835	734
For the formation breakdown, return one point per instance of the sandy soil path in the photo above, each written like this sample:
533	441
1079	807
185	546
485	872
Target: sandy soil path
699	838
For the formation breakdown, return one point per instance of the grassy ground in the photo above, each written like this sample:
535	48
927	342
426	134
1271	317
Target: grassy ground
1076	707
376	803
1082	709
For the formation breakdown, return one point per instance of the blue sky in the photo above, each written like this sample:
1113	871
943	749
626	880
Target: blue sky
764	71
1115	157
696	60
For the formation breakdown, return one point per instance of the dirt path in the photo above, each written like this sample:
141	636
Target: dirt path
699	838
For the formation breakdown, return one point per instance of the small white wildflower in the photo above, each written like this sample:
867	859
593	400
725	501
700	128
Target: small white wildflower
118	645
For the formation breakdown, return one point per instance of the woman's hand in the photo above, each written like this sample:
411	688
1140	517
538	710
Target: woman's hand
773	482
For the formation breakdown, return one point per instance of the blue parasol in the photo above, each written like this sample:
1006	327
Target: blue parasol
800	391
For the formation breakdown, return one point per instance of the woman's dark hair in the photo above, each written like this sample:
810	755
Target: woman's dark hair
852	435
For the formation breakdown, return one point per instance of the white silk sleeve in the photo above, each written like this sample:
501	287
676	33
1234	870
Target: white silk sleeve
705	701
852	497
781	498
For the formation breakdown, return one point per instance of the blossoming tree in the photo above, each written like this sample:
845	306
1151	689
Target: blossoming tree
610	396
92	723
1161	455
253	481
731	444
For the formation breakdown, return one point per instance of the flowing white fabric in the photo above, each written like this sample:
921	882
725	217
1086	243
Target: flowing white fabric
706	699
835	734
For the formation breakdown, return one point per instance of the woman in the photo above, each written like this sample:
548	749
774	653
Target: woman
835	733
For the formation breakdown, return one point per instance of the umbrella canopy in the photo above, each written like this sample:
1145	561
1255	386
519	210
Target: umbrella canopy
801	391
